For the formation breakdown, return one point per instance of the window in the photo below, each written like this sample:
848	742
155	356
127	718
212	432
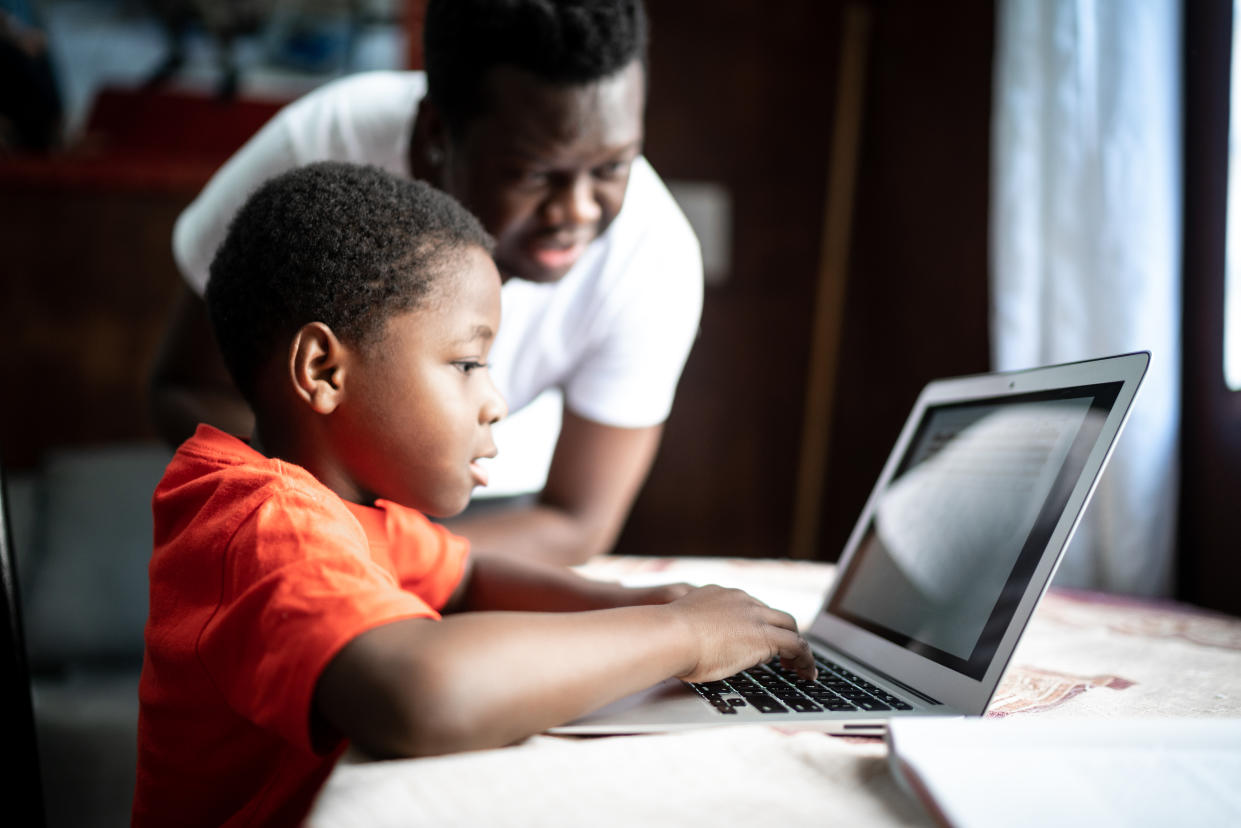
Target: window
1232	254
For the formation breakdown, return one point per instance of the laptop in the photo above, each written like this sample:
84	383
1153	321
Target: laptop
956	545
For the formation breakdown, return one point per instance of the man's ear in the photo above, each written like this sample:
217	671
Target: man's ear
429	145
318	363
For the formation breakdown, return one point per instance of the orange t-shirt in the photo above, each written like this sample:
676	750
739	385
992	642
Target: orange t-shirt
260	575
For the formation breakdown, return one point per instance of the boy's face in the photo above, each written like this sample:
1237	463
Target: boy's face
545	167
420	403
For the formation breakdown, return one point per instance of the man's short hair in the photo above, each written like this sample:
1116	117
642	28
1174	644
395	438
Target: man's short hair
558	41
343	244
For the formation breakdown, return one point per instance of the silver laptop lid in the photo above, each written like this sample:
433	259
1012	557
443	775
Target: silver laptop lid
968	521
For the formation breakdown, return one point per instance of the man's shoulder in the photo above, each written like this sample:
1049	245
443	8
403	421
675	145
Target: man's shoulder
650	212
378	84
381	94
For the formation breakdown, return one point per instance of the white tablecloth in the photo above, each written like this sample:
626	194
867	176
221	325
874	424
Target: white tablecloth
1083	655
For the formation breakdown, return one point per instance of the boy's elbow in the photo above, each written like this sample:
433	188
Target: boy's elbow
408	704
398	691
427	716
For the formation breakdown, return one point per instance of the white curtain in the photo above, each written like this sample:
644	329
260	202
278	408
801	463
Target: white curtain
1086	244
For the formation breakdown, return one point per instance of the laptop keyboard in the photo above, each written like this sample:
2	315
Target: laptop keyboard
769	688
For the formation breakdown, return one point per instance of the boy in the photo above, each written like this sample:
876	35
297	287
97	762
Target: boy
296	587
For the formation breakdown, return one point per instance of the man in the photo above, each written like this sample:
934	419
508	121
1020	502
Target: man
530	113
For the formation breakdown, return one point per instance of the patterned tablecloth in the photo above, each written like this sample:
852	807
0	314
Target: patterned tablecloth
1084	654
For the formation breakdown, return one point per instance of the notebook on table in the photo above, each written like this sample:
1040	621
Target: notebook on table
953	550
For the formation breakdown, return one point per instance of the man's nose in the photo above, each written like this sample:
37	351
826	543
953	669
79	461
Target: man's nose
574	202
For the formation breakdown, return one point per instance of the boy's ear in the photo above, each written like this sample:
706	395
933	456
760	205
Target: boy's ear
318	361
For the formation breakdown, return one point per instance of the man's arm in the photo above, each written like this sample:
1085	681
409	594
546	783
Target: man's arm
522	585
595	474
485	679
189	383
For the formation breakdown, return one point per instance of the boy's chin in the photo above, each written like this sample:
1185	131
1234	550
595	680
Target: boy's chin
446	508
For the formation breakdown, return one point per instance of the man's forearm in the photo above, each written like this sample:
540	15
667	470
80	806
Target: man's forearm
536	532
189	383
502	583
177	412
594	477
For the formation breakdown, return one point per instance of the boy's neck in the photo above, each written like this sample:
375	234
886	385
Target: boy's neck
291	449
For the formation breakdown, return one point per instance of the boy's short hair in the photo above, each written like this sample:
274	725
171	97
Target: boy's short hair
558	41
343	244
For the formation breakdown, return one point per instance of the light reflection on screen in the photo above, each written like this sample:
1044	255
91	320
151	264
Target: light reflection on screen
957	533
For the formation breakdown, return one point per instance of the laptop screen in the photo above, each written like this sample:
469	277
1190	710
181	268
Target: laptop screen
958	532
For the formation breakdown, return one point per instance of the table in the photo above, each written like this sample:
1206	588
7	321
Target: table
1084	654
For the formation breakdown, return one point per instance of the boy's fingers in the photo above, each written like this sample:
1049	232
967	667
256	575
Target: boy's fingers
795	654
778	618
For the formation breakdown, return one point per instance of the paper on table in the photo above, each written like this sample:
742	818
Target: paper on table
1037	772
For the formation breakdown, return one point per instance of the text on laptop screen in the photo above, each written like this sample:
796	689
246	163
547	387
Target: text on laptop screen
957	533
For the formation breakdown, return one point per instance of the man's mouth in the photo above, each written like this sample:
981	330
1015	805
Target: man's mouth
559	253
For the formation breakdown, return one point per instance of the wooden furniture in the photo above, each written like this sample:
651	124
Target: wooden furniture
88	272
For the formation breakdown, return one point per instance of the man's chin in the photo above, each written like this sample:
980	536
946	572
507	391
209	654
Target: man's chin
531	272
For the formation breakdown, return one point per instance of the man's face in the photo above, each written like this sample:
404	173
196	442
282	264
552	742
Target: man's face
421	403
545	167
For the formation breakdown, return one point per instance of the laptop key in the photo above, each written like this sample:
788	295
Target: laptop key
802	706
766	704
872	704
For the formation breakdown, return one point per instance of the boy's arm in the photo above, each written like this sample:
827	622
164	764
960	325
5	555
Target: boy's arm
486	679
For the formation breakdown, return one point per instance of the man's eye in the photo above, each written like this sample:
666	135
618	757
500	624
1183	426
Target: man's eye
528	178
612	169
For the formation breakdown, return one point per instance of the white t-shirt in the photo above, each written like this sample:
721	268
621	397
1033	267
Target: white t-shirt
612	336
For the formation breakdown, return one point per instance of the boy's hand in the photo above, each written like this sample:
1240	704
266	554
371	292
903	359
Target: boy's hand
733	631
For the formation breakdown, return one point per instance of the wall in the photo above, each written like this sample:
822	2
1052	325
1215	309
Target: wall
747	99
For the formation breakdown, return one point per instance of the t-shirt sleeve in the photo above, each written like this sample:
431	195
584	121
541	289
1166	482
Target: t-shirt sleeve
299	584
363	118
628	377
428	558
201	227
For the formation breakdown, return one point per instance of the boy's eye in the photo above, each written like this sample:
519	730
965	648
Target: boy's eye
466	366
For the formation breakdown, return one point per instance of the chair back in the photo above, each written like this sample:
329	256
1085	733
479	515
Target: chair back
24	781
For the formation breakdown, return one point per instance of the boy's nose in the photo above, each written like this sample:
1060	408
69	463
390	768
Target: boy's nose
494	407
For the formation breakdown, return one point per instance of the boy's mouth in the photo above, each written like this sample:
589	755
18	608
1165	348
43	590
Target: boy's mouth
478	473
